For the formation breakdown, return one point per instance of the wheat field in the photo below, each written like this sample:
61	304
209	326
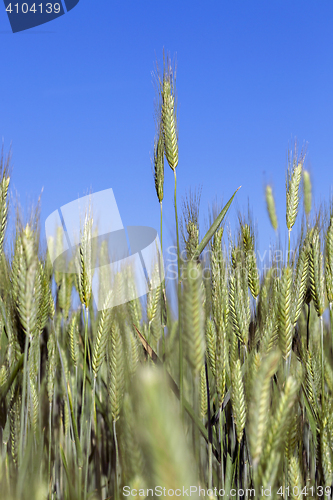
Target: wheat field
233	396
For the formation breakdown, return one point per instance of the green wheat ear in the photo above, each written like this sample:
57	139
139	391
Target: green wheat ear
329	260
316	272
218	279
168	460
326	450
131	453
307	192
293	180
260	405
103	331
239	303
27	285
221	360
270	202
73	338
84	263
301	279
203	392
116	376
159	164
169	120
193	316
248	243
279	421
238	400
295	478
4	185
51	366
211	344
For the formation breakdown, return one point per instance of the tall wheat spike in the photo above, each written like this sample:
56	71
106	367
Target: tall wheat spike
294	176
169	119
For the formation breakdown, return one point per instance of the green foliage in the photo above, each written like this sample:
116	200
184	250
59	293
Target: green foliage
84	411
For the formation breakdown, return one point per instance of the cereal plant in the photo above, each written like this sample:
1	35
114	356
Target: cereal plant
233	395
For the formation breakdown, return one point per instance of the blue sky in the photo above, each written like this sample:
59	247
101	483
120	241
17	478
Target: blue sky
77	104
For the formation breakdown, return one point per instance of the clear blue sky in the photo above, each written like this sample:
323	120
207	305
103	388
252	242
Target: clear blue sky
77	103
